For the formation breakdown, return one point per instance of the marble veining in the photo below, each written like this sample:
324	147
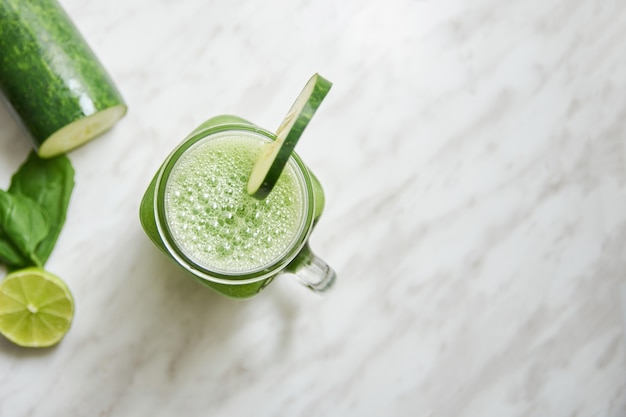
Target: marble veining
473	158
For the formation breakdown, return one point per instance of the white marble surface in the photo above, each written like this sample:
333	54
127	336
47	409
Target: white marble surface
474	162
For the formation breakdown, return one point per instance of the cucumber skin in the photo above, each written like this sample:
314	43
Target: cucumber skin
48	74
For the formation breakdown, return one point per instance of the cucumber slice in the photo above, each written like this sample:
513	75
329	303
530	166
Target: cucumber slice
51	79
274	155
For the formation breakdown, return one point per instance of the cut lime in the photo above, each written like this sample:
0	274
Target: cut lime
275	155
36	308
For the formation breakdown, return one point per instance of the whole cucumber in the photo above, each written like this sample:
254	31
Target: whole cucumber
51	79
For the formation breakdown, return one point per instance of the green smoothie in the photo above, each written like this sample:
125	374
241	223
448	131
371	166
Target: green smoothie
198	212
215	222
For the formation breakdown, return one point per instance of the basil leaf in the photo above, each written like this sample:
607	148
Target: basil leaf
49	182
9	255
23	225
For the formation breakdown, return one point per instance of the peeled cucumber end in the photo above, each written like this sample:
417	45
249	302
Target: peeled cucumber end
81	131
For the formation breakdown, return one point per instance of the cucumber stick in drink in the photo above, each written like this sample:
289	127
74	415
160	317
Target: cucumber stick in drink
275	155
51	78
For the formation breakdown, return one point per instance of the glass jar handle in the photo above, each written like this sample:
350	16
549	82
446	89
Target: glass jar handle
312	271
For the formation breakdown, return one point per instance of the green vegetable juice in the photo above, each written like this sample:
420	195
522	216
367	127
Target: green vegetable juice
198	212
212	219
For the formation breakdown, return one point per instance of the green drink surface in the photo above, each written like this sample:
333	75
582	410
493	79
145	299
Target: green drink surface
212	218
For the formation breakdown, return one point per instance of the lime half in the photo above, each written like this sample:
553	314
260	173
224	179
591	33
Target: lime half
274	155
36	308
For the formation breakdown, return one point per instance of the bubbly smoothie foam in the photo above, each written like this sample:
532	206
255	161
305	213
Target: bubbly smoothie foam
213	219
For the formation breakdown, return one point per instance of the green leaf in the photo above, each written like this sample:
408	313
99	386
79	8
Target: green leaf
49	182
23	225
9	255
